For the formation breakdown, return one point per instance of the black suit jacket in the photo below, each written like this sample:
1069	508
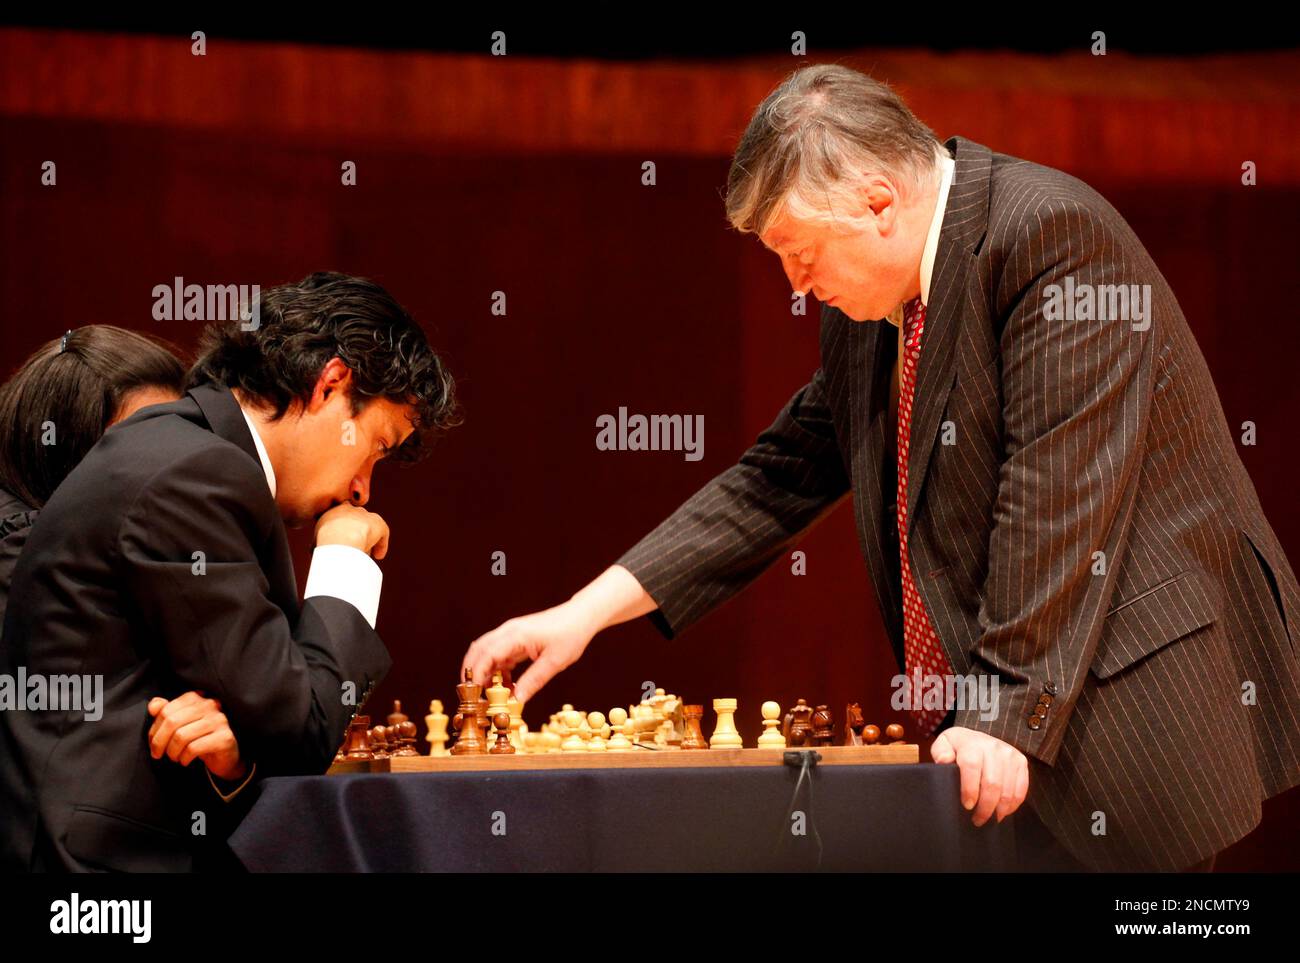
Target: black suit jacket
16	518
1081	525
110	584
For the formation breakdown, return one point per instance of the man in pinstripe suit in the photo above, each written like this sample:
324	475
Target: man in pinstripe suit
1077	522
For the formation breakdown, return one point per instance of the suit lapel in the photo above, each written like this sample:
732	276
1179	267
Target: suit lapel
226	419
965	223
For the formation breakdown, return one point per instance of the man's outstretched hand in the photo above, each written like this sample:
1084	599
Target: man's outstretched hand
994	774
553	639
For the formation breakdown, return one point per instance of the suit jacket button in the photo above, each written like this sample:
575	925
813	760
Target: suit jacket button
1042	707
1050	687
1045	699
1035	722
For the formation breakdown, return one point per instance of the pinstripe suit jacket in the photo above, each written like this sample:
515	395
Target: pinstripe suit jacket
1037	443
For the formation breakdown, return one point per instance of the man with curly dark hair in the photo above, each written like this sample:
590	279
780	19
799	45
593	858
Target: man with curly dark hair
161	567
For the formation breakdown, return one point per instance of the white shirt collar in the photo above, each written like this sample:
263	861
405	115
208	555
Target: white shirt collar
261	451
948	166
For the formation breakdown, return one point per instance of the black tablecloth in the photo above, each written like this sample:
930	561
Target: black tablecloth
871	818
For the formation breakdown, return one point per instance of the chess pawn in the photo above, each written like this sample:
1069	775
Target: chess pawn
406	731
596	743
378	743
771	737
870	735
503	748
894	732
397	716
618	742
436	723
725	735
694	738
573	740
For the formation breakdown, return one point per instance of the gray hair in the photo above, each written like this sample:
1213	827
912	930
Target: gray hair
815	141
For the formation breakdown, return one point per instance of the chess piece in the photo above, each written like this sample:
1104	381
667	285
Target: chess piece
498	697
358	741
503	748
618	741
643	719
894	732
406	733
436	722
853	723
397	716
870	735
518	728
378	744
823	725
694	737
725	735
673	713
573	739
484	719
771	737
596	742
798	731
470	738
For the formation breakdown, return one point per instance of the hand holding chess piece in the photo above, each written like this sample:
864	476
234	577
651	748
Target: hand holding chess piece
555	638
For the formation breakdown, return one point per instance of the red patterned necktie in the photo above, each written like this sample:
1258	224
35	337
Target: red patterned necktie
921	649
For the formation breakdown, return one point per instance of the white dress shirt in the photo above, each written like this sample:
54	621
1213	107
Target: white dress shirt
947	166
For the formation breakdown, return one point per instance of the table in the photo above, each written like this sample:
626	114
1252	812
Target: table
713	819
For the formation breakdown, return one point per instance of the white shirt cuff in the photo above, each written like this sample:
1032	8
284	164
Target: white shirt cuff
346	573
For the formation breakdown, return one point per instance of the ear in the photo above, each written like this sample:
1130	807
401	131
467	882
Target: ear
335	377
880	197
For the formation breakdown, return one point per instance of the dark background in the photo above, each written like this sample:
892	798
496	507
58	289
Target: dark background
522	174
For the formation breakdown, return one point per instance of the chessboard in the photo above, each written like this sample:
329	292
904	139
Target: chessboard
662	732
899	753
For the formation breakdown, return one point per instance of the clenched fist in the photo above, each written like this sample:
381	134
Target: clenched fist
192	727
353	525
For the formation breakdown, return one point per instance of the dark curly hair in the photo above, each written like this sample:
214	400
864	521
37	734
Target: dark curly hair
328	315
